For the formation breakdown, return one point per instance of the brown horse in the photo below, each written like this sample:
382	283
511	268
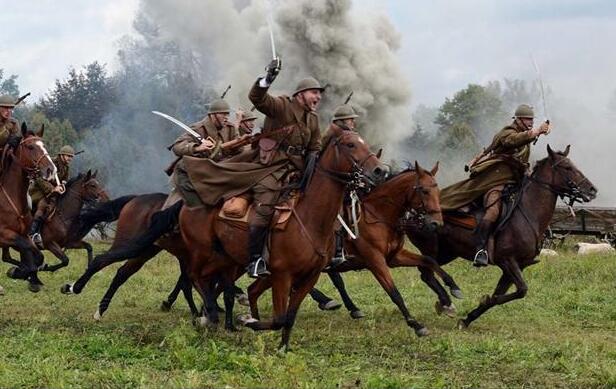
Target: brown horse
518	241
29	158
134	216
298	253
380	243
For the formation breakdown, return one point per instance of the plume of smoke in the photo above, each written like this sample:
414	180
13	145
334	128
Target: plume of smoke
319	38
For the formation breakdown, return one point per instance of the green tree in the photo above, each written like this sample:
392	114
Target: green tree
8	86
83	98
57	132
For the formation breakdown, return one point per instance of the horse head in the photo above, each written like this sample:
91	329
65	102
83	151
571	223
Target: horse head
350	157
563	177
91	190
424	197
32	155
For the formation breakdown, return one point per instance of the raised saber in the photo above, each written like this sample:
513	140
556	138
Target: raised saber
271	30
542	90
180	124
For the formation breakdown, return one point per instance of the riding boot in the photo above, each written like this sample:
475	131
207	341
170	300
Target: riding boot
256	241
338	257
35	232
483	234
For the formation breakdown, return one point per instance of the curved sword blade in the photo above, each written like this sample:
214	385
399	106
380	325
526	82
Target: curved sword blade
179	124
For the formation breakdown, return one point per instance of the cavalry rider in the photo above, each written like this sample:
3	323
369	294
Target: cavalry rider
45	194
9	128
215	129
343	120
247	122
293	140
503	162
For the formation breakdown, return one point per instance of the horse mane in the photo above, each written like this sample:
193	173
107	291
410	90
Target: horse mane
74	179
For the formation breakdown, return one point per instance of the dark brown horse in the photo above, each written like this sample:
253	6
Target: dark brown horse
134	216
380	243
298	253
517	242
64	229
29	158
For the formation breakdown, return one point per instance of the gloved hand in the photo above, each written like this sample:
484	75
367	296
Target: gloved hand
272	70
13	140
311	162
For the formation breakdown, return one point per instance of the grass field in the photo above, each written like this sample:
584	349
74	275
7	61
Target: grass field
563	334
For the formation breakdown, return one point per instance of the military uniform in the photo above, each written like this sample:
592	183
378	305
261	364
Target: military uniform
185	145
506	162
44	198
8	128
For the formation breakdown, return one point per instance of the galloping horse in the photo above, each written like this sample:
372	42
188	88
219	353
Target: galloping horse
380	243
517	241
28	159
64	229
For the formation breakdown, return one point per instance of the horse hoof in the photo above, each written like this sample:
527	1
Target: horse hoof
11	272
457	293
421	332
242	299
165	306
358	314
449	310
67	289
34	288
246	319
331	305
462	325
97	315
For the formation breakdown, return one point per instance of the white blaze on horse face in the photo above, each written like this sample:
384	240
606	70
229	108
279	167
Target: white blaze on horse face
359	138
54	172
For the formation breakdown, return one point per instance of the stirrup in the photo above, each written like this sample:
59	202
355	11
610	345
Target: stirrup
481	258
37	239
257	269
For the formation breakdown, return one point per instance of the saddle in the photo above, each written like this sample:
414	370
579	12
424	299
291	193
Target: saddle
239	209
470	215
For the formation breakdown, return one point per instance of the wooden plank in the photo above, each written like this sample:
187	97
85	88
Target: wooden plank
587	220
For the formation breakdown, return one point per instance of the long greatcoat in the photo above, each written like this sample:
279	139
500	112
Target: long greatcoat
509	160
220	181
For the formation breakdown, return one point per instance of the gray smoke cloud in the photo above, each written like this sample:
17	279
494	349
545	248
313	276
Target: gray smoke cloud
321	38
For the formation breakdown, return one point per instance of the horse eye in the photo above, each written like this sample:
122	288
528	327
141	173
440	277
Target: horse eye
30	147
350	145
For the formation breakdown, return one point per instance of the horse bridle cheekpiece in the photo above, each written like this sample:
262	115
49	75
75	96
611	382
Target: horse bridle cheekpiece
572	191
33	170
354	179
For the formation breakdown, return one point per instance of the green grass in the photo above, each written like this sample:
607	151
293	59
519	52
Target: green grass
563	334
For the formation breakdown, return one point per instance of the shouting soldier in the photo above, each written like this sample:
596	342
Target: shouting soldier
504	162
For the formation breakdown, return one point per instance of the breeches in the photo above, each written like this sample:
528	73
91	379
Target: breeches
185	187
492	203
265	194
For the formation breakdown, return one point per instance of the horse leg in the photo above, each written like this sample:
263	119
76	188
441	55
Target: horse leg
511	274
183	284
322	299
6	257
31	259
61	255
255	290
381	272
228	281
408	259
338	282
122	275
444	303
297	296
281	288
168	303
82	244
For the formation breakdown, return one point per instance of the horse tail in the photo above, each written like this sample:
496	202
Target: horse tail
107	211
162	222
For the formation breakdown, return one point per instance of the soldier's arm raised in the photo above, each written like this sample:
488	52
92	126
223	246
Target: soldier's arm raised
512	139
264	102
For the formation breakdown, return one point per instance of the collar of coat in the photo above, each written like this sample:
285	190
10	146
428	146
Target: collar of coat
298	110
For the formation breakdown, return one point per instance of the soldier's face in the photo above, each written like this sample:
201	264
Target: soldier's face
311	98
6	112
248	125
350	123
220	119
528	122
66	158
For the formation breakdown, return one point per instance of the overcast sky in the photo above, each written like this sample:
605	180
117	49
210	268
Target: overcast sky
444	44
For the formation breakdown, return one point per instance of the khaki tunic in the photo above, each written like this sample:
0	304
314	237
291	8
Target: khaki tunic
507	165
220	181
41	188
7	128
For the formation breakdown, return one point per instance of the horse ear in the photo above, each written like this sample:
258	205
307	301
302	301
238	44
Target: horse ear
434	169
550	151
41	131
95	173
566	152
379	153
418	168
88	175
24	129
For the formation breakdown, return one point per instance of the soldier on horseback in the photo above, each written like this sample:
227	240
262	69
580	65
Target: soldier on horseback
9	128
503	162
293	150
344	119
45	195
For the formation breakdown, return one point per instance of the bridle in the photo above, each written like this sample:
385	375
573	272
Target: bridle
32	168
355	178
413	215
571	191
